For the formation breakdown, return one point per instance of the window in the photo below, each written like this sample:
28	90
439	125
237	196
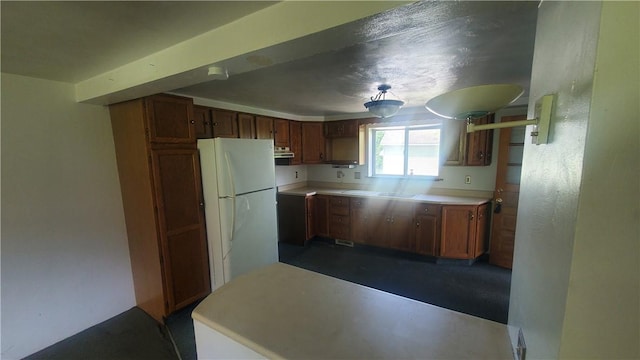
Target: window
402	151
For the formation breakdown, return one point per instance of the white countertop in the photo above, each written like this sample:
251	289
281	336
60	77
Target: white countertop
435	199
283	311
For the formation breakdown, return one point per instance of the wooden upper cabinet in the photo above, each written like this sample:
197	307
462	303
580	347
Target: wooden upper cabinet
343	128
295	140
281	133
460	148
313	151
202	117
246	126
224	123
479	144
170	119
264	127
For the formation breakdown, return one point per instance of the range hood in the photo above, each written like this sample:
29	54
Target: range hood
283	155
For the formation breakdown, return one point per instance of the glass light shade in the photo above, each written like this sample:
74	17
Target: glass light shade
384	108
475	101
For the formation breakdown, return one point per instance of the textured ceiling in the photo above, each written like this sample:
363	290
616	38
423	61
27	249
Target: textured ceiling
421	49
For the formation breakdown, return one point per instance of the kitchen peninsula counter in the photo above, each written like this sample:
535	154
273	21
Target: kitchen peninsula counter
428	198
284	312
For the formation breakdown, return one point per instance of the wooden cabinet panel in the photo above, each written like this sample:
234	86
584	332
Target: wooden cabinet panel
460	148
202	117
339	223
479	144
428	229
161	195
401	229
295	139
343	128
181	223
224	123
246	126
464	231
264	127
292	219
321	208
281	133
312	143
170	119
482	230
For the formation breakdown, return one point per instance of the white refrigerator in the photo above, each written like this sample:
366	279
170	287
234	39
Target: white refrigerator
239	186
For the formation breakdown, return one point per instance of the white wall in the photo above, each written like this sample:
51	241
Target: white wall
575	279
65	259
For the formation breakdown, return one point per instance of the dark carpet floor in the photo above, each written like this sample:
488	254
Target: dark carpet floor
480	289
130	335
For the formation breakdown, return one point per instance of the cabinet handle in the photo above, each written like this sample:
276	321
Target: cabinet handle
192	121
426	210
321	156
481	155
418	224
471	216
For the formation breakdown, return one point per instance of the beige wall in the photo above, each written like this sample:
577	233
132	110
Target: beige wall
65	259
576	278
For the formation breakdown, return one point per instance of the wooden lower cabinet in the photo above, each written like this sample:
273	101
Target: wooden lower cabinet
321	212
383	223
295	218
447	231
464	231
428	229
162	202
339	220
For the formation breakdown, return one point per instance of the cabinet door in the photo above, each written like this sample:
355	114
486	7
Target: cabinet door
180	212
428	229
310	211
292	219
401	230
281	133
312	143
378	223
264	127
246	126
359	220
479	144
295	138
322	215
224	123
458	231
170	119
202	117
482	230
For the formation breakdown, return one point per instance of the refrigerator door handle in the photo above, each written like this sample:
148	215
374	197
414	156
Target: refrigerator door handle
233	193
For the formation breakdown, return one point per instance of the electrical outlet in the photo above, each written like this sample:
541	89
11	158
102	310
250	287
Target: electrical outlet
356	175
521	349
296	174
467	179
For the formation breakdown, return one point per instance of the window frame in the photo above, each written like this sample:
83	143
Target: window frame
372	128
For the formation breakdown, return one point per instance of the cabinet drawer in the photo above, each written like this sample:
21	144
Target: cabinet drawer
428	209
339	219
340	231
339	205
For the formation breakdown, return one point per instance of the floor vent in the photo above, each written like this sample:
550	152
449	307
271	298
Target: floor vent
344	243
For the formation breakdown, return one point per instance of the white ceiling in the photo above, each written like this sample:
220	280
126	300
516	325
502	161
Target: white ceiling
421	49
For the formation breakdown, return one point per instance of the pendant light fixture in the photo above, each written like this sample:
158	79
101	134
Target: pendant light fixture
382	107
477	101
